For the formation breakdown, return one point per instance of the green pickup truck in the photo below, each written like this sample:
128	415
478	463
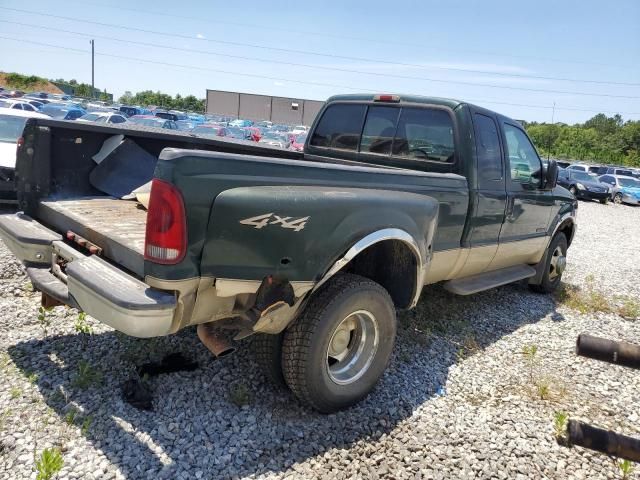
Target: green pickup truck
312	252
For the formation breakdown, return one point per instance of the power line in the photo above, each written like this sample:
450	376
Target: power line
364	59
241	57
282	79
329	35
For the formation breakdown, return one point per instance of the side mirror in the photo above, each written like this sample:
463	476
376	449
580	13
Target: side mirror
551	175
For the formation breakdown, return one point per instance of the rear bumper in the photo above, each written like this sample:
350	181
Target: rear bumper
89	283
585	194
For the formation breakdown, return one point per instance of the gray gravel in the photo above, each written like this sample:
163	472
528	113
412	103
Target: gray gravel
460	399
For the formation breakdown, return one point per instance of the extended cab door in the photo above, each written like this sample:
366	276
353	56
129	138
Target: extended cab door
523	236
488	194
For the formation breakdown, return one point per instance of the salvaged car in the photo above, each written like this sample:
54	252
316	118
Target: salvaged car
311	251
584	186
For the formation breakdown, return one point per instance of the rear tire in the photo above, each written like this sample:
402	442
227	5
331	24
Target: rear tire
340	345
267	350
551	278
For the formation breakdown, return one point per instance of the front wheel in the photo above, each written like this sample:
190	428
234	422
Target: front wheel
604	201
555	263
617	198
339	347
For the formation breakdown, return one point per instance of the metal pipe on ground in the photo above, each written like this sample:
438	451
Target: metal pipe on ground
604	441
620	353
217	344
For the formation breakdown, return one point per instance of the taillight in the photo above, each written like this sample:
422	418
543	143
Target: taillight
166	237
20	142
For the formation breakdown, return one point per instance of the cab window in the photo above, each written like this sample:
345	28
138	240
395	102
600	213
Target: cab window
524	162
339	127
488	151
379	130
425	134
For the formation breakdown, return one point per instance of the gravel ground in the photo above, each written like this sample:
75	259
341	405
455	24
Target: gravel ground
460	399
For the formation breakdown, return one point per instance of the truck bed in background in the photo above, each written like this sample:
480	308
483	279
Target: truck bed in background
117	226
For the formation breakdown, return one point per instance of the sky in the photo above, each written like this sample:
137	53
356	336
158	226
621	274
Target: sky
517	58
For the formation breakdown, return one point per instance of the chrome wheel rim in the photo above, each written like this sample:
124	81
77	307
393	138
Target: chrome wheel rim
617	199
352	346
557	264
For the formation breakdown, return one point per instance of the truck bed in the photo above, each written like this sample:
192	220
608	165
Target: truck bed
117	226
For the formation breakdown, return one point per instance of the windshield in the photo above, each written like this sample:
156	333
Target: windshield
151	122
272	136
629	182
206	130
89	116
11	128
581	176
57	112
237	133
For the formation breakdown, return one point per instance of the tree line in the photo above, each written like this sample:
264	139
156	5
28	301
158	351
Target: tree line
600	139
163	100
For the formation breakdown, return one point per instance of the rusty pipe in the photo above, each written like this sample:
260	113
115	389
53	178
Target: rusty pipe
621	353
604	441
217	344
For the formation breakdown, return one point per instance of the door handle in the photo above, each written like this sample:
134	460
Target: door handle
510	204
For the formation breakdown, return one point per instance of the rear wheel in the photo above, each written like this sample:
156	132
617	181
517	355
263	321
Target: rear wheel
339	347
267	350
555	263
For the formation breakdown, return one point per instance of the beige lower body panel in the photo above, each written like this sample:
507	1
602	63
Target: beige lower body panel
464	262
206	299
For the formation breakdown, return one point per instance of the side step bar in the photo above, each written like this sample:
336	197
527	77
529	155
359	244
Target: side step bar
485	281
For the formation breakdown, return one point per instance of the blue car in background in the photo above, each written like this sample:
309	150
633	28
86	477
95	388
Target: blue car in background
624	189
63	111
241	123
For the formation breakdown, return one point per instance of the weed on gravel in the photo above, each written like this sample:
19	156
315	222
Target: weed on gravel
49	464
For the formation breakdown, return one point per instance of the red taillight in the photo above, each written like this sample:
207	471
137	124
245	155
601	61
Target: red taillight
20	142
386	98
166	238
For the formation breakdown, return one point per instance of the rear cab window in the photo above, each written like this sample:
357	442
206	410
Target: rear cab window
414	137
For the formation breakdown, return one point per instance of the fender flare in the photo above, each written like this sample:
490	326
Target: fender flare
377	237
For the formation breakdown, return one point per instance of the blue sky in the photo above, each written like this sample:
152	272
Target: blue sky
448	48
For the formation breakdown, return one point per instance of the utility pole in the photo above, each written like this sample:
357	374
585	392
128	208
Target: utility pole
553	114
93	90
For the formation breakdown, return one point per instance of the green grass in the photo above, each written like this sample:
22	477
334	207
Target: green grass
15	392
560	421
239	394
587	300
626	468
86	376
44	319
49	464
630	308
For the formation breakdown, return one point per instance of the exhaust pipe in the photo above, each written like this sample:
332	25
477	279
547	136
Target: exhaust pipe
604	441
621	353
217	344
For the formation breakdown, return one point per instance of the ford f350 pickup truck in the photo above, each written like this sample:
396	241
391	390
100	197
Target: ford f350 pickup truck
311	251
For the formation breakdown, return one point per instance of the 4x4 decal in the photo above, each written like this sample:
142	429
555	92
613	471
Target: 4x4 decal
261	221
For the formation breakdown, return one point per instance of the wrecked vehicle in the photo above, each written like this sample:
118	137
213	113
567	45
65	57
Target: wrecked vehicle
312	252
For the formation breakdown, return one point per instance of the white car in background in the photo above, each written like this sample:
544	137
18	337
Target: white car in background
17	105
11	126
103	117
298	129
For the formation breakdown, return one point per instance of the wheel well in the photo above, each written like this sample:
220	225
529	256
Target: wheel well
568	229
392	264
